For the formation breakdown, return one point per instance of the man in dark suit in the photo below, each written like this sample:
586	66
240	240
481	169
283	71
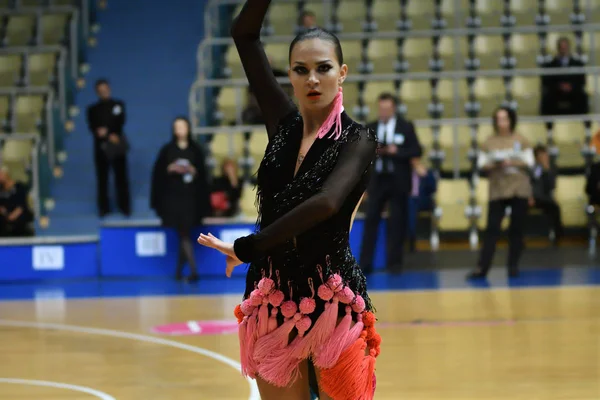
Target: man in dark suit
106	119
564	94
391	181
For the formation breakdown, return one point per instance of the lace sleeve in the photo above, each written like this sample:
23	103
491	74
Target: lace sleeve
274	103
355	158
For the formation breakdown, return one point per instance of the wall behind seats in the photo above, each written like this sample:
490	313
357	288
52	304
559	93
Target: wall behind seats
147	49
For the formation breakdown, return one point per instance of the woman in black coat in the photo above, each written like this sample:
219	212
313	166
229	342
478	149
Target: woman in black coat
180	192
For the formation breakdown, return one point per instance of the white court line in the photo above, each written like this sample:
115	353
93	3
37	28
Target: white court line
58	385
254	394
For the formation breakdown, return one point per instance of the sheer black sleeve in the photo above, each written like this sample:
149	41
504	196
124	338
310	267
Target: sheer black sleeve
274	103
355	158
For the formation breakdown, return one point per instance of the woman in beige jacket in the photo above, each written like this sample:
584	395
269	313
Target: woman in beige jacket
506	158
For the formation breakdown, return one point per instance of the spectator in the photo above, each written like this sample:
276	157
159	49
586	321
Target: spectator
106	119
592	185
543	182
180	191
307	20
424	186
16	217
227	190
391	181
564	94
506	157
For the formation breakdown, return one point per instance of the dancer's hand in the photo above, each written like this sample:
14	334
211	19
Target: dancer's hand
231	263
215	243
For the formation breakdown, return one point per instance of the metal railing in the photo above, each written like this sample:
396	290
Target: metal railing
211	12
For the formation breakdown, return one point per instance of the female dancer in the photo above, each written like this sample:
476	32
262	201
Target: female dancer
306	303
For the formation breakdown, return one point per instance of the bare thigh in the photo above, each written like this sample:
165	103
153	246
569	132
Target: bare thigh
299	390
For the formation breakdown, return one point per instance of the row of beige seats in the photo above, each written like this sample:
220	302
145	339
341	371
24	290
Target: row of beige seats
351	13
16	154
22	112
20	28
417	52
569	137
416	96
453	198
34	67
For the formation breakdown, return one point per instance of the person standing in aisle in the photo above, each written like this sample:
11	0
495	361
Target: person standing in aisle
180	193
392	181
507	158
106	119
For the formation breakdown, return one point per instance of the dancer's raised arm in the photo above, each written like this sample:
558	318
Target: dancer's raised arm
274	103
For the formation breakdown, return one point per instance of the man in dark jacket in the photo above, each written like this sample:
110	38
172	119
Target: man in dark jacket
543	183
106	119
391	181
564	94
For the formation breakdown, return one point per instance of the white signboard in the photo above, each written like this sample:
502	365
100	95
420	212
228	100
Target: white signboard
150	244
48	258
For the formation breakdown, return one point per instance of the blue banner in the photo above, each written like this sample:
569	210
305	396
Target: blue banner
38	259
135	251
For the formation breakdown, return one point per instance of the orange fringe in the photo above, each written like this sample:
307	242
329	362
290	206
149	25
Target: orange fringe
351	378
238	314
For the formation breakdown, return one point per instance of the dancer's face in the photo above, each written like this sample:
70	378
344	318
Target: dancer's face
315	73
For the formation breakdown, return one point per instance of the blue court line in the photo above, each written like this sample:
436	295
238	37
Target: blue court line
407	281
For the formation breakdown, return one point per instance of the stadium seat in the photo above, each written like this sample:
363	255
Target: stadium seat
20	29
257	146
569	138
525	48
452	197
456	152
453	60
282	18
4	111
526	90
41	67
231	100
351	14
559	11
16	155
420	13
383	53
28	113
571	197
446	93
248	202
226	145
416	95
418	52
524	12
386	13
490	93
489	50
54	28
489	11
535	132
425	136
10	69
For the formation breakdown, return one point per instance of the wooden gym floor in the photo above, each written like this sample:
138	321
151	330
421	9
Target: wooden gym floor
536	337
